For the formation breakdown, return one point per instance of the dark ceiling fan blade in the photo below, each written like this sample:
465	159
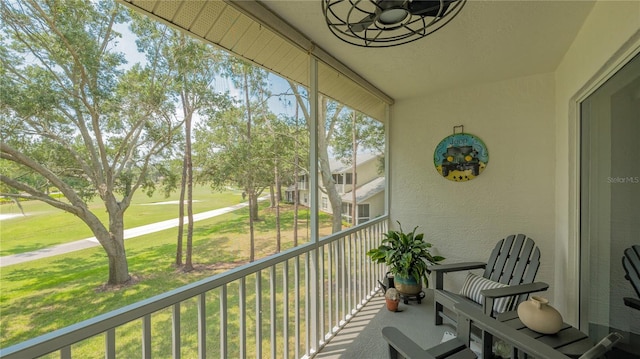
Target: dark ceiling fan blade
363	24
429	7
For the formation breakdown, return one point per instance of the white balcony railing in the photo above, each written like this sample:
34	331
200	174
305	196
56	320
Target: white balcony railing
287	305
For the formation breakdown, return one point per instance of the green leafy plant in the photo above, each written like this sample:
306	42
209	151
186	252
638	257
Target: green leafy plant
406	254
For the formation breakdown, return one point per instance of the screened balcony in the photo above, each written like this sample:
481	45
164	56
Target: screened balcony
496	71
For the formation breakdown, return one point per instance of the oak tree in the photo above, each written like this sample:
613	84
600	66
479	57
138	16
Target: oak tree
76	117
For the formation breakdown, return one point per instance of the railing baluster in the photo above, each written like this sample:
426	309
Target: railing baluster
354	279
272	311
359	297
361	272
349	240
330	285
307	306
372	244
110	344
202	325
320	296
65	353
259	314
336	259
343	279
377	269
146	336
285	308
357	293
314	297
223	322
373	278
365	265
297	306
243	318
175	331
383	227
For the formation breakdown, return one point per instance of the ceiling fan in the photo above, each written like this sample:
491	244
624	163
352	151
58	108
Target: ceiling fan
383	23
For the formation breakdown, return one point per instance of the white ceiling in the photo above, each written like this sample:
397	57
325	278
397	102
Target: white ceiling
490	40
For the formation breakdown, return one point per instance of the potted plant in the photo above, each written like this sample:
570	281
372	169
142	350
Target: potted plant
408	256
392	298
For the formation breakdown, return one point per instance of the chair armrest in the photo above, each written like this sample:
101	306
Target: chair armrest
632	302
441	269
503	331
490	295
603	346
400	343
454	267
515	290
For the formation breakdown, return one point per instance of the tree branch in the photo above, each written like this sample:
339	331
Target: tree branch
9	153
38	195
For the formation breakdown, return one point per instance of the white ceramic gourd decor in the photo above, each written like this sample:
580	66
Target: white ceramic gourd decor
538	315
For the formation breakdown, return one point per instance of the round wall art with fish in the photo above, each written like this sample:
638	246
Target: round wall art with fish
461	157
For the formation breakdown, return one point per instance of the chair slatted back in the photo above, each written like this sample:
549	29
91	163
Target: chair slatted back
514	260
631	264
498	259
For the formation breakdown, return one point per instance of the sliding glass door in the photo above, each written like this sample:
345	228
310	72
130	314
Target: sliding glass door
610	205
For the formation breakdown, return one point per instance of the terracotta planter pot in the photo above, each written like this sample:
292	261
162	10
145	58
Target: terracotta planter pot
392	305
407	286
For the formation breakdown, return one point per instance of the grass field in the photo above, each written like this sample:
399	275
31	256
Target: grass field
44	226
40	296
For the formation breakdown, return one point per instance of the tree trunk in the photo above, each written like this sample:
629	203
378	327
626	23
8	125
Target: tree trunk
118	266
325	169
112	241
272	197
252	253
253	208
279	191
189	165
250	189
278	238
183	182
323	155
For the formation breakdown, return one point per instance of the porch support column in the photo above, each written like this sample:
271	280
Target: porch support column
387	157
313	182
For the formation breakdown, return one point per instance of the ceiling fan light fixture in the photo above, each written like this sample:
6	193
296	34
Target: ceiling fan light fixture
386	23
393	16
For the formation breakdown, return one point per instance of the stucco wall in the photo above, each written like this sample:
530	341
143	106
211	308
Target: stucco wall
514	194
608	38
530	128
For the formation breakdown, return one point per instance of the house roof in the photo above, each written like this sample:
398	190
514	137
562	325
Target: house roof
340	166
366	191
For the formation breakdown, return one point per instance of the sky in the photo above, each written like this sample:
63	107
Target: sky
126	44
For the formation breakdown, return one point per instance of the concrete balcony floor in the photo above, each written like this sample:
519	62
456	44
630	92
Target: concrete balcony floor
362	338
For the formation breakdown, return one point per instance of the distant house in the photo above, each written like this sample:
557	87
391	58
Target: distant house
369	192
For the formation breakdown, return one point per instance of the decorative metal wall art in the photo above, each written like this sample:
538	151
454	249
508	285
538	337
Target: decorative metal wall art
461	156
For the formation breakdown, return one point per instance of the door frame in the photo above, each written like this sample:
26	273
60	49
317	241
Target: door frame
618	60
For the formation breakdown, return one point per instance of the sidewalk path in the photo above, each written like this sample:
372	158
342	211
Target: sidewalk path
128	233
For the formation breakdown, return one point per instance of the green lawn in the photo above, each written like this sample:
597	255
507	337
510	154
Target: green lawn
45	226
40	296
